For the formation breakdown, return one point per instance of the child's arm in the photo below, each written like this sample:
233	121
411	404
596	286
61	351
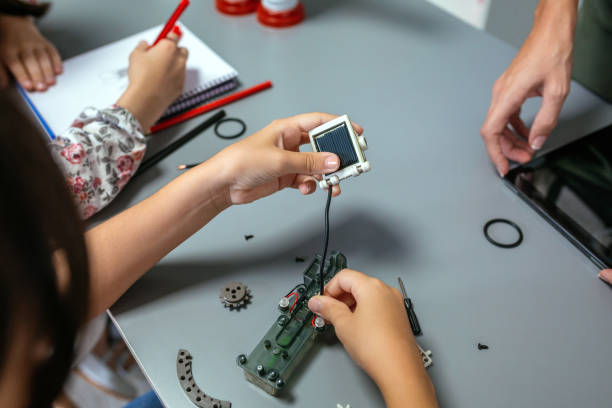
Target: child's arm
370	320
98	155
103	148
126	246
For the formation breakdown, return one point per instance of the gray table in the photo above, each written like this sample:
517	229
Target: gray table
419	82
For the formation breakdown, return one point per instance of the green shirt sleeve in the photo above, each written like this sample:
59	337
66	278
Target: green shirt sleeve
593	47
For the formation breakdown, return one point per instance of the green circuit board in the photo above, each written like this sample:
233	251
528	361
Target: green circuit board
293	333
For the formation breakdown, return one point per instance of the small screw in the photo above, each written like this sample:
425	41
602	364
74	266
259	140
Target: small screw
247	237
299	259
272	375
260	370
280	383
267	344
482	346
242	359
283	303
285	354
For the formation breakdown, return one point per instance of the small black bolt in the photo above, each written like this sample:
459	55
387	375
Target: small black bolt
482	346
247	237
272	375
267	344
280	383
299	259
260	370
242	359
284	354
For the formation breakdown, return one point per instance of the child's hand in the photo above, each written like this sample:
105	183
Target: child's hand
370	320
270	160
33	61
156	77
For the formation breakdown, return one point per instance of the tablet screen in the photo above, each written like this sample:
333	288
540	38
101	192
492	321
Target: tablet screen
572	188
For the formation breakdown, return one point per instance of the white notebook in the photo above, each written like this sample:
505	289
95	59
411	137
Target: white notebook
98	77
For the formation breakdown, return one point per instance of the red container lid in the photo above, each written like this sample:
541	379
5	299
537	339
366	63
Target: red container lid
280	19
238	7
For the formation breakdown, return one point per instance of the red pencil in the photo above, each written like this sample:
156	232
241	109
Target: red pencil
171	21
210	106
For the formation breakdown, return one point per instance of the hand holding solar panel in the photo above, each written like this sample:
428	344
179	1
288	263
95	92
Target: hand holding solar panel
338	136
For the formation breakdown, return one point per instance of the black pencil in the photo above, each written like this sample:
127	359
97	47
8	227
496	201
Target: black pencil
187	166
157	157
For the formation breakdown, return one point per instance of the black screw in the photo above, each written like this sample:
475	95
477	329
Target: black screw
482	346
299	259
267	344
260	370
242	359
247	237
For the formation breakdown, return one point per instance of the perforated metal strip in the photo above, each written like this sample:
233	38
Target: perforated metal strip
193	392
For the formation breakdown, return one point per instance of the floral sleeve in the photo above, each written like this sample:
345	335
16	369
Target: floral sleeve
98	155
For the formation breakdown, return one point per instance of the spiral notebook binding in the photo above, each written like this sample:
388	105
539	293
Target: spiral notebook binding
185	103
205	87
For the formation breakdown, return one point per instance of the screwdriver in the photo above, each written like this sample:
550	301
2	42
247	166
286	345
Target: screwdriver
412	318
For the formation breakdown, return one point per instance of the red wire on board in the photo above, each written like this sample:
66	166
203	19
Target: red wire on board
295	301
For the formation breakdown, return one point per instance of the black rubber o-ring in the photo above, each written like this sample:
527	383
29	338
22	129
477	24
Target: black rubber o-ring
501	244
235	120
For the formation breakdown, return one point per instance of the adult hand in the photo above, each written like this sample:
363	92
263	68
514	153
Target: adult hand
156	78
542	67
371	322
33	61
270	160
606	276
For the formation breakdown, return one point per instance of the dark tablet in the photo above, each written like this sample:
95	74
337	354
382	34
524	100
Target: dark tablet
572	188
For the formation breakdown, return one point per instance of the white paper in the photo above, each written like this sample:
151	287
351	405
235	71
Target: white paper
99	77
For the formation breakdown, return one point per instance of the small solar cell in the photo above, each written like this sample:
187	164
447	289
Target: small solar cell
338	141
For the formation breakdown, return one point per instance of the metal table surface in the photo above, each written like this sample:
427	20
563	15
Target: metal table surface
419	81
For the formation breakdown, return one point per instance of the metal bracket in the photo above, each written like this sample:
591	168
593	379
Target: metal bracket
193	392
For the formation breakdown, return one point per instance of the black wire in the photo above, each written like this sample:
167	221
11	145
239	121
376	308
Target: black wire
322	265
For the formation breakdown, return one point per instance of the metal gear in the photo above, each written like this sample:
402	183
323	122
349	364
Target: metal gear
235	295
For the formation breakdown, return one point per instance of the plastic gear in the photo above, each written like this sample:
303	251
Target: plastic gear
235	295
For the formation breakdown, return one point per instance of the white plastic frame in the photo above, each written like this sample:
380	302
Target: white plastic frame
359	145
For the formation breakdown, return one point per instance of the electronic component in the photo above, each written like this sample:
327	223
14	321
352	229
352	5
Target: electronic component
235	295
338	136
412	317
188	384
274	359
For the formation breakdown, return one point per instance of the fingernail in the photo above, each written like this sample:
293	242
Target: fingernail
40	86
27	84
331	163
606	275
314	305
538	142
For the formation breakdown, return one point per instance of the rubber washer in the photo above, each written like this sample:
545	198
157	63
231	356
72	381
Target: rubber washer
234	136
514	244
